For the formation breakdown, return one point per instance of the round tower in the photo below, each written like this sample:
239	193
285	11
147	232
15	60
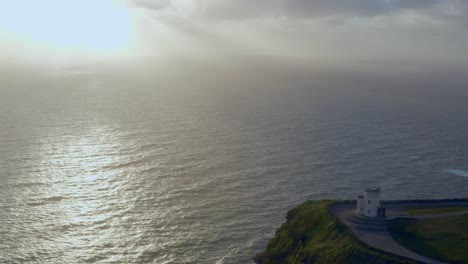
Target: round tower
371	201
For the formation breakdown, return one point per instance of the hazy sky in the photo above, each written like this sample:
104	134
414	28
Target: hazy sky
348	31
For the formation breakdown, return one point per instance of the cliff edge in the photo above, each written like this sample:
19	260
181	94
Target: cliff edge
312	234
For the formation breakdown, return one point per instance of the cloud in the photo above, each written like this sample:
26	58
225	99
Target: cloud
151	4
392	31
240	9
306	8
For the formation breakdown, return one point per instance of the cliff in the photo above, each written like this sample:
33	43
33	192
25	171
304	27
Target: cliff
312	234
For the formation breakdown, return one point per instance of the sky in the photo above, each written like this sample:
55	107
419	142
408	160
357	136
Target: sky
343	32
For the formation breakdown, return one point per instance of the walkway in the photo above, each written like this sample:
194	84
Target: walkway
373	231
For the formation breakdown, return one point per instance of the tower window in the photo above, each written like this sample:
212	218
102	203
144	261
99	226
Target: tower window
368	201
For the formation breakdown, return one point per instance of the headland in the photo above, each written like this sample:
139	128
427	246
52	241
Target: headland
335	232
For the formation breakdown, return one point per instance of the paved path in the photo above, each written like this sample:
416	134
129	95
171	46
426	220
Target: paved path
373	231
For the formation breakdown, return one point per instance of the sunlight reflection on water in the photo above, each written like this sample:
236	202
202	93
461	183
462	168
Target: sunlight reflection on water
87	180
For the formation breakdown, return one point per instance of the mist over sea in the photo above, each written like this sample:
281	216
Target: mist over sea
201	167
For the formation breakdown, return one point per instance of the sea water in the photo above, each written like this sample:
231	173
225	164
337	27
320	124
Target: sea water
125	172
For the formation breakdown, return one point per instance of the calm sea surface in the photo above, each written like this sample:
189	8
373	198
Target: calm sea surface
96	171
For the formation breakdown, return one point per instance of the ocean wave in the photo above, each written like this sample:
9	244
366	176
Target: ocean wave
45	201
461	173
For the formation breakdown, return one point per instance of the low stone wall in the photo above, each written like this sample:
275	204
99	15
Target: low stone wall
425	201
418	201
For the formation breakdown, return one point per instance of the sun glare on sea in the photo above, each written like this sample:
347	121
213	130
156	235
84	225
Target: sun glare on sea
103	26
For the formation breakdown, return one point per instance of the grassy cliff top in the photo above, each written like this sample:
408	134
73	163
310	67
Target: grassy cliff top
312	234
443	239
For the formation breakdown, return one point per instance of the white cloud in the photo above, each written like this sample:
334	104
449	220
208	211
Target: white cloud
340	30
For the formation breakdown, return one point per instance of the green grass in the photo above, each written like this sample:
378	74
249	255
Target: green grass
312	234
428	210
444	239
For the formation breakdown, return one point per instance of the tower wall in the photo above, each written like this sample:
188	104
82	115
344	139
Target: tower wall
371	201
360	205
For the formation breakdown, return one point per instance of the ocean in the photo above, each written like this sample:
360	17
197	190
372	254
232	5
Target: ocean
97	170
